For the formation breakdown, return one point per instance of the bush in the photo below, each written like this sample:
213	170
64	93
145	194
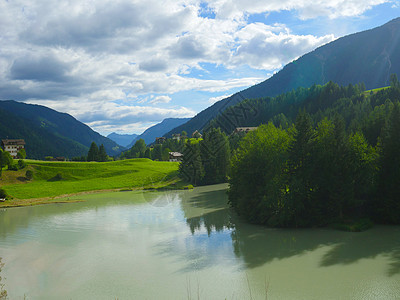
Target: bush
29	174
58	177
3	194
13	167
21	164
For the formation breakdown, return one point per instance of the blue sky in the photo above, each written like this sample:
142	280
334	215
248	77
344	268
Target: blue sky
122	66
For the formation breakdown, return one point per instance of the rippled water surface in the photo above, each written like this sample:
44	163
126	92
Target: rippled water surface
186	245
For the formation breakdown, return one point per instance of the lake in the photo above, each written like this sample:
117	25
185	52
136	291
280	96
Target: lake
186	245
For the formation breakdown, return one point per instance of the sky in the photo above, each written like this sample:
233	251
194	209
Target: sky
124	65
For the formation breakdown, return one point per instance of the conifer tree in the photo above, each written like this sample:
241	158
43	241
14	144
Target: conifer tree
93	153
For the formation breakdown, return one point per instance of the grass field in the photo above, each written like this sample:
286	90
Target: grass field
53	179
374	91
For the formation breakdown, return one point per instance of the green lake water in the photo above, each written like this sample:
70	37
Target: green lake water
186	245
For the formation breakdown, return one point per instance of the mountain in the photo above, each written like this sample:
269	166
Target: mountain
158	130
122	139
48	132
367	57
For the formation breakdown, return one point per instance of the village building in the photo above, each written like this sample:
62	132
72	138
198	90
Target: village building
197	135
176	136
12	146
243	129
160	140
175	156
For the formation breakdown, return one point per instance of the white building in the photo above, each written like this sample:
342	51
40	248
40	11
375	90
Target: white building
175	156
12	146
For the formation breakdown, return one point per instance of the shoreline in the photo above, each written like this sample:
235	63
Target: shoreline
64	198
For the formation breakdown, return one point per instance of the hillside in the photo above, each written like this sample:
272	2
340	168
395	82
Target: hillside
158	130
49	132
367	57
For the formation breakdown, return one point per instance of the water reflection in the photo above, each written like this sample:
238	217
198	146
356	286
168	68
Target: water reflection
257	245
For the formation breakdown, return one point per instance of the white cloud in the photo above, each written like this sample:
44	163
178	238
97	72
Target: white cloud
79	56
271	47
306	9
160	99
213	100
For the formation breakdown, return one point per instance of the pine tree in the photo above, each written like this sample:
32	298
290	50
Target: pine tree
389	177
102	156
93	153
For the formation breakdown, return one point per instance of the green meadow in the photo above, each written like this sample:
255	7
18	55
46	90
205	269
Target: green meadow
53	179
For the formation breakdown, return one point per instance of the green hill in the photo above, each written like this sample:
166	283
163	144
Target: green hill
48	132
53	179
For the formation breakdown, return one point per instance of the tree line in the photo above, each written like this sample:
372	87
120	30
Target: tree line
339	160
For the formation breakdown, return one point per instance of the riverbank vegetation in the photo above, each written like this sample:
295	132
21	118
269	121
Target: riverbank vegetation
52	179
339	162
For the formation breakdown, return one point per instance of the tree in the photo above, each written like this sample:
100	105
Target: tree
215	155
102	156
137	150
93	153
157	152
165	154
21	154
394	82
389	177
191	167
147	153
258	177
21	164
29	174
5	159
299	205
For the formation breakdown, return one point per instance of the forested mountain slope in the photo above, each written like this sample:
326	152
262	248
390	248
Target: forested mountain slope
367	57
50	124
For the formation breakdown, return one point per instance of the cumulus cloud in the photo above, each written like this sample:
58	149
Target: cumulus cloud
306	9
271	47
108	116
75	56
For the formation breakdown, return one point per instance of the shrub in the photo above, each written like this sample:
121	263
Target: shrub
3	194
13	167
21	164
29	174
58	177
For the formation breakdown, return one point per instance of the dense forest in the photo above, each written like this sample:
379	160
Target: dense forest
332	156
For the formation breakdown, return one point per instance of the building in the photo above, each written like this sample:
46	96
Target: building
197	135
160	140
12	146
175	156
244	129
176	136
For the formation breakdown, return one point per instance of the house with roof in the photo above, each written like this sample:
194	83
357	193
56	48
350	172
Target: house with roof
243	129
175	156
12	146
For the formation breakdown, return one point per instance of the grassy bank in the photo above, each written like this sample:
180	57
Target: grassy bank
54	179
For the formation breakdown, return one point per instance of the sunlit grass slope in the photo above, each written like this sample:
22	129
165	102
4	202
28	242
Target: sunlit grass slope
59	178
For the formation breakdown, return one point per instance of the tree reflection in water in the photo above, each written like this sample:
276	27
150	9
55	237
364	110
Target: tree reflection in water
257	245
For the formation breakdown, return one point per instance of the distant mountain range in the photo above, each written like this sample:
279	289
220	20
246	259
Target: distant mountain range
122	139
159	130
48	132
367	57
